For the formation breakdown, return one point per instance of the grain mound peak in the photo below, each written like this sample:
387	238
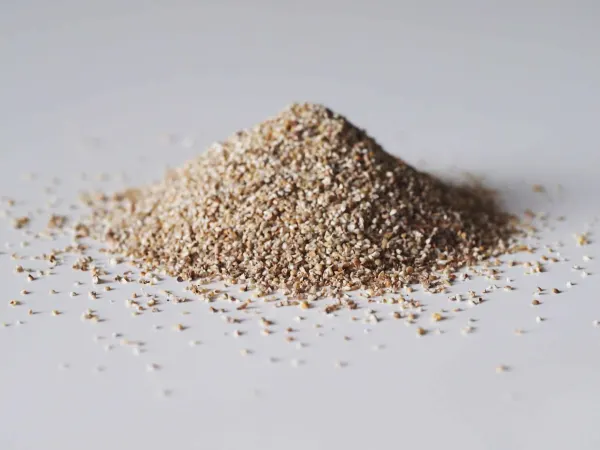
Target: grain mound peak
306	202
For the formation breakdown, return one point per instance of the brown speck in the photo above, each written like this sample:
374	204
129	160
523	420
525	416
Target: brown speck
56	221
304	305
581	239
88	315
436	317
243	305
536	302
21	222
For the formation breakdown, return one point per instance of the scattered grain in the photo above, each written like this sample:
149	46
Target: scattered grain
340	364
152	367
436	317
467	330
21	222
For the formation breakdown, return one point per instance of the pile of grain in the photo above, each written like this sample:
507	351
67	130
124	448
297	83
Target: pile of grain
307	202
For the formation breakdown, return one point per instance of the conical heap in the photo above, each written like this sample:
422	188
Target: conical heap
307	202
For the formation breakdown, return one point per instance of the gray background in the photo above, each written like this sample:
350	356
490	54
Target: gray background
505	90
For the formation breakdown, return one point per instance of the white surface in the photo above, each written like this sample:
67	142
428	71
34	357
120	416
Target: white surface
509	92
